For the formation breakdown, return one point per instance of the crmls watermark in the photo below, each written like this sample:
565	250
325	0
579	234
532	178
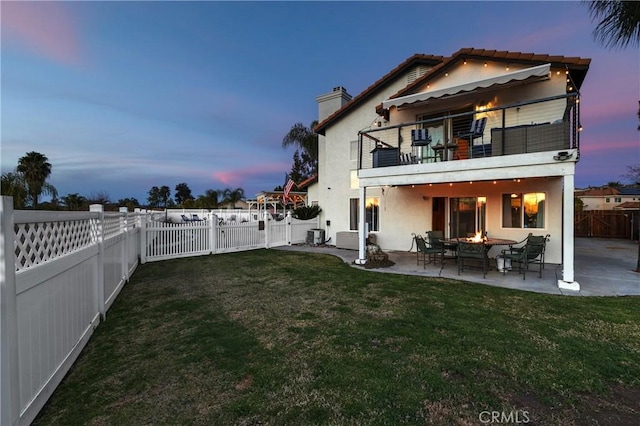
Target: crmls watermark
506	417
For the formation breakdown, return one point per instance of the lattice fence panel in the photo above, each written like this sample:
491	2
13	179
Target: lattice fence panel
112	225
36	243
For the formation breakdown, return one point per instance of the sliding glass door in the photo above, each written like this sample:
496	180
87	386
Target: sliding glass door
467	216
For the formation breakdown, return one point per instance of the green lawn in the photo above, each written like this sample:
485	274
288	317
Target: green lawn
275	337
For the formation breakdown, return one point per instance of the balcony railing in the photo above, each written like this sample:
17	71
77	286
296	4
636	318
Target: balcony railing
549	124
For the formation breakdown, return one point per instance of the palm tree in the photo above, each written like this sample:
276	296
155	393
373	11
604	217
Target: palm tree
75	201
233	196
307	140
13	185
35	169
619	23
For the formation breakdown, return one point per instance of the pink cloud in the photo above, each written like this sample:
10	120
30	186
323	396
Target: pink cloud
237	176
45	28
609	146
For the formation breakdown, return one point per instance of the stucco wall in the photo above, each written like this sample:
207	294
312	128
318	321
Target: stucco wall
405	210
335	161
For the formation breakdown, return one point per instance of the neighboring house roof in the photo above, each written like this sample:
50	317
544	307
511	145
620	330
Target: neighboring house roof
311	180
414	60
597	192
608	191
629	190
576	66
628	205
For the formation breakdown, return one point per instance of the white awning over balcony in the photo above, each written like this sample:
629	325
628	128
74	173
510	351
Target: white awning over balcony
534	73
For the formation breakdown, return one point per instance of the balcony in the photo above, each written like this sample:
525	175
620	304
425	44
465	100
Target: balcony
542	125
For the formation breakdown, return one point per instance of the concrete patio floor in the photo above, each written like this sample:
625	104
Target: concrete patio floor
603	267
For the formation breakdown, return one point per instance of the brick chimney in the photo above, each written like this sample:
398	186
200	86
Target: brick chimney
331	102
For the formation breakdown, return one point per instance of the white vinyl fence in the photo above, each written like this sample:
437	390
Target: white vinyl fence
61	272
210	234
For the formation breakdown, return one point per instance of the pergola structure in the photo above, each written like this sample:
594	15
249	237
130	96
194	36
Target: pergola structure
270	200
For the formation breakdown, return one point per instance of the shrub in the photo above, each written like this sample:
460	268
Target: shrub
306	212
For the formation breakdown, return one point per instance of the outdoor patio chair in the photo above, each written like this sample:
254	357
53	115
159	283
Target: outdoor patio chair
425	250
476	131
196	218
407	158
435	241
185	218
420	137
475	252
531	252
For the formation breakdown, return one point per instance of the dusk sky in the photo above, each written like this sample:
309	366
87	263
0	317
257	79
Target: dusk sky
122	96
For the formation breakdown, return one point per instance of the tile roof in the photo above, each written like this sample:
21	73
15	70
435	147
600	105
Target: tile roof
503	56
628	205
597	192
576	65
415	59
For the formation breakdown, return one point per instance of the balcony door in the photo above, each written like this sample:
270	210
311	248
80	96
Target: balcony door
442	131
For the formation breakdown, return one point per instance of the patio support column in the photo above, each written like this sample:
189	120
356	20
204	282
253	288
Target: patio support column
362	225
568	255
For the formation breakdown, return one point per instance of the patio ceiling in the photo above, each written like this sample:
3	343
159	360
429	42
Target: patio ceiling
537	73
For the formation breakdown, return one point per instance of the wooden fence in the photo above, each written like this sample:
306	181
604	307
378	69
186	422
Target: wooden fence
61	272
607	224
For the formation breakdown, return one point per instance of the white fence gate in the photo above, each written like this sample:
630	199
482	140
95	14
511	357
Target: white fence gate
62	271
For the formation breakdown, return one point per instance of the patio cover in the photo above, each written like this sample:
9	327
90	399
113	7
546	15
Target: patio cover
538	73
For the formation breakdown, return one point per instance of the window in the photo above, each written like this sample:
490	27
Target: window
523	210
354	182
353	151
468	216
608	200
618	199
372	213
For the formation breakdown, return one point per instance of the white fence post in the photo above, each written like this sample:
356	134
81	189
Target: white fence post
124	227
143	238
213	232
99	229
9	363
289	230
267	229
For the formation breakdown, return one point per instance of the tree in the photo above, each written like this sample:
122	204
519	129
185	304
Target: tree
165	196
619	22
307	142
35	169
299	169
13	185
210	199
614	184
129	203
183	193
633	174
75	201
232	196
153	197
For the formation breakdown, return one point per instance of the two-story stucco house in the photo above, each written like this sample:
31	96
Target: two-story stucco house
482	140
609	198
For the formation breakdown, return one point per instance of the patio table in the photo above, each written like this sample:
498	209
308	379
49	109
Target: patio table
488	243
